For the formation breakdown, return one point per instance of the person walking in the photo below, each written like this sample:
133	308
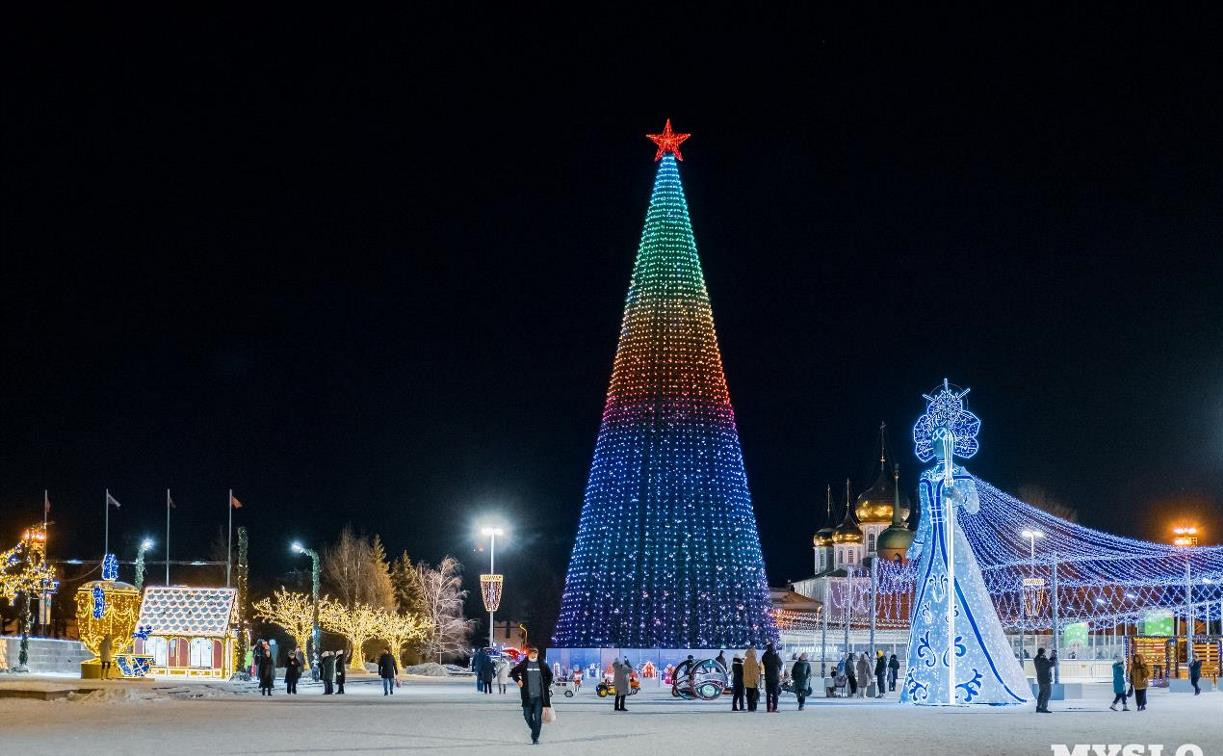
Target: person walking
863	673
490	672
293	673
620	680
881	674
736	684
326	665
106	654
771	661
387	670
534	681
1140	678
503	675
893	671
1119	687
800	678
1044	679
1195	675
267	670
751	678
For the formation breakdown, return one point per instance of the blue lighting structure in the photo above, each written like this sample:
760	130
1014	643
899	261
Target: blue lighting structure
958	652
99	601
667	554
110	567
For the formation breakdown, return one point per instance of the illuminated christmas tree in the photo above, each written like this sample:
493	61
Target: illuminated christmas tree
667	553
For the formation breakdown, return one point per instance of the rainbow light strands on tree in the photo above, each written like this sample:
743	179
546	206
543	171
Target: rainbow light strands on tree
958	653
667	553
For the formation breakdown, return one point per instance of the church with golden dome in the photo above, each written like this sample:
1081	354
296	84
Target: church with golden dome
877	523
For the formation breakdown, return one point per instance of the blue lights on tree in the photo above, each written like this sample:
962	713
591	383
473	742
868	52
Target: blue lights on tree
667	553
958	653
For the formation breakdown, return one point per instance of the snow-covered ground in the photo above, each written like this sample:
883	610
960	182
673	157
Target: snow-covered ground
446	716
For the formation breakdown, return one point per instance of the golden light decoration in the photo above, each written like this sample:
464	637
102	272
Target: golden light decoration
24	568
490	591
120	607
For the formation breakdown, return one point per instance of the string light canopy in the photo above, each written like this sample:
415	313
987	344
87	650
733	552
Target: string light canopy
667	553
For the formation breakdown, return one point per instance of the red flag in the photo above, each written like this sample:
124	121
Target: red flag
234	501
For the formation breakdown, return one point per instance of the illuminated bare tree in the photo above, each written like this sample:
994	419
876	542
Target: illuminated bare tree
443	600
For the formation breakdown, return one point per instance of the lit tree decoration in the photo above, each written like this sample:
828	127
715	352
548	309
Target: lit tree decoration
25	573
443	596
399	629
358	624
291	611
958	653
667	553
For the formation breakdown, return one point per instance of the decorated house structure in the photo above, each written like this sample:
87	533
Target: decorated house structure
188	632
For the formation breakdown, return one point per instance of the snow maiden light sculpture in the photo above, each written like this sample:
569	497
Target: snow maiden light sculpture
958	653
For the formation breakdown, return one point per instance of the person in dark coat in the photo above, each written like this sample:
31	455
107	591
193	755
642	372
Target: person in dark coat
327	672
1140	679
478	662
771	661
293	672
339	672
1044	679
721	659
487	674
267	670
534	681
1195	675
851	676
893	671
800	678
736	684
881	673
387	670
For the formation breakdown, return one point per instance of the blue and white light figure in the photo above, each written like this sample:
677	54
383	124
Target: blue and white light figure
958	653
110	567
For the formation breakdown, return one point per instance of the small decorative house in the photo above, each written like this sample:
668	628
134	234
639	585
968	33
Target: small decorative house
189	632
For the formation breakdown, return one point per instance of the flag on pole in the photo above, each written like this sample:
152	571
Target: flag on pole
46	505
169	501
112	500
233	500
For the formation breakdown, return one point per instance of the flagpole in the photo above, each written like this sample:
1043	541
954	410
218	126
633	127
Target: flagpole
106	537
229	549
167	536
46	508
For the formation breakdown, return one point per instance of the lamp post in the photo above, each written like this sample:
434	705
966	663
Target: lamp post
1031	535
1186	538
315	633
145	545
492	583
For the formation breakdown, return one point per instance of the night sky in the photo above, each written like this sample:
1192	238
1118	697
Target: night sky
372	271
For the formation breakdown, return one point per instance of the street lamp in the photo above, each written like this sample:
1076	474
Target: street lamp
492	583
1031	535
145	545
315	633
1186	537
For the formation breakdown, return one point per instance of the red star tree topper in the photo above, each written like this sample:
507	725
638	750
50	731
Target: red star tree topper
668	141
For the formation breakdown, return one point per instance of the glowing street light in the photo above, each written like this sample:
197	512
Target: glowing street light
492	583
1031	535
316	634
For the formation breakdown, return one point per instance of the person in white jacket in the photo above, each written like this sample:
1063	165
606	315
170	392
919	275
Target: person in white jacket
503	674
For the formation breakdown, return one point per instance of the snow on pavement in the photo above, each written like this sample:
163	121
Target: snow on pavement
447	717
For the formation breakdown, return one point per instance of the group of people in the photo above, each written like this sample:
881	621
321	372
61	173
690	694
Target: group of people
332	669
489	670
854	674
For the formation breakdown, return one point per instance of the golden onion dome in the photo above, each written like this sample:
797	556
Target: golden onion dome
823	537
848	531
894	543
874	505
